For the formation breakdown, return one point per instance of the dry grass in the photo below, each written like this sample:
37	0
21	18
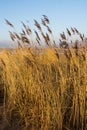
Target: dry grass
44	89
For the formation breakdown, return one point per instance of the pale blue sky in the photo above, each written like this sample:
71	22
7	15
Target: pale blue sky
62	14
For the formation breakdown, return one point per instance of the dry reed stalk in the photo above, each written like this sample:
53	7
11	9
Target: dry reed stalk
46	89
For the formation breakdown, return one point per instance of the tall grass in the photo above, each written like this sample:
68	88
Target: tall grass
44	89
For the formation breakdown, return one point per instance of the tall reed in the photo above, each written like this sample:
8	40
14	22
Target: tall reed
44	87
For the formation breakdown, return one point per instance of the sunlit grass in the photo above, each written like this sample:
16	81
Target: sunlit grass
44	89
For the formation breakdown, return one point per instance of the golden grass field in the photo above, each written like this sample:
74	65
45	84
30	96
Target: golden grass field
41	88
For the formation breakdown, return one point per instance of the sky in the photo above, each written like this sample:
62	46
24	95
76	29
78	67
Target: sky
62	14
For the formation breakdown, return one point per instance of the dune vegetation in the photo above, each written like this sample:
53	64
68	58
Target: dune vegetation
44	86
